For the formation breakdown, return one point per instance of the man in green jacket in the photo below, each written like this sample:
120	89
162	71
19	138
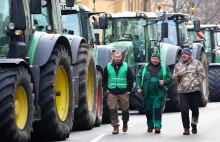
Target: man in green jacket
152	81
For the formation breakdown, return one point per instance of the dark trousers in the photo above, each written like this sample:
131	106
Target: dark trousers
123	101
189	101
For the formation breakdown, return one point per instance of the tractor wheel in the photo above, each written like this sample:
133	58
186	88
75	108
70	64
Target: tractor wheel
16	104
105	115
172	102
99	97
214	84
56	97
205	84
85	114
140	103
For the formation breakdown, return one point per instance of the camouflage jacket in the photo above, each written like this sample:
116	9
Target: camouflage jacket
193	75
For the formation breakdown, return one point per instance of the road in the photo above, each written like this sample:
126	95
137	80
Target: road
208	129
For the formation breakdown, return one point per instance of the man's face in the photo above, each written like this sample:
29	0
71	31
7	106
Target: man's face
185	57
155	61
117	58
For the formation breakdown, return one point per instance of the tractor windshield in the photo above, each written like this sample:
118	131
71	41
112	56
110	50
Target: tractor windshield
206	42
125	29
218	38
71	22
4	21
172	32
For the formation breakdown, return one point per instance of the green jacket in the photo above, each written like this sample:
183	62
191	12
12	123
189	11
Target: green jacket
161	90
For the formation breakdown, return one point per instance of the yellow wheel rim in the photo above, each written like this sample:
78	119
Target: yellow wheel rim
90	88
21	107
62	93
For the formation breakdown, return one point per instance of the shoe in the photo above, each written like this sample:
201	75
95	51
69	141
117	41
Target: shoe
115	130
186	132
194	128
149	130
125	126
157	130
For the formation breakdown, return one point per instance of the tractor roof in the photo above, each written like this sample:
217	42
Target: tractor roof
203	27
129	14
171	16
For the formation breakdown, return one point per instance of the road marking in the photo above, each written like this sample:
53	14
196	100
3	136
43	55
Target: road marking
98	138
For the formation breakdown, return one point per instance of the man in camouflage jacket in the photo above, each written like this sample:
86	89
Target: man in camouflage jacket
189	74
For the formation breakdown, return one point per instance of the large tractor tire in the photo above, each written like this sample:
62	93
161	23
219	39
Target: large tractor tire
205	84
106	115
214	83
16	104
56	97
140	103
99	97
172	99
85	114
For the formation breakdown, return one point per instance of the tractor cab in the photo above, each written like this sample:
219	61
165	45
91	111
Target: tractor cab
209	36
177	32
130	33
80	21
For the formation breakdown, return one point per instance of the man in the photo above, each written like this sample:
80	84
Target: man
117	83
189	74
152	81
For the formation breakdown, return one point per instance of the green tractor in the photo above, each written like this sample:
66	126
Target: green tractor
209	36
73	23
135	35
178	37
37	98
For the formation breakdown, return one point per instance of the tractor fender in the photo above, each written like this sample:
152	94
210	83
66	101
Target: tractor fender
214	64
45	47
169	53
196	50
34	71
104	55
75	45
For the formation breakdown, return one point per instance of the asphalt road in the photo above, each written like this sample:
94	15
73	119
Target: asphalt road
208	129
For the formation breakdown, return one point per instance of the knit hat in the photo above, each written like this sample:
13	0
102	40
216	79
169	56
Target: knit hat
187	51
155	54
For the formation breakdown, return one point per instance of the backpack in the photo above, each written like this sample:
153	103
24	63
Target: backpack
164	70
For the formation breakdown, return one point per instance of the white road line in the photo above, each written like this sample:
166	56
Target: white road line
98	138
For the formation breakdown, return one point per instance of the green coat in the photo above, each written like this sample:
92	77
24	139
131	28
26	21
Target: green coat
161	90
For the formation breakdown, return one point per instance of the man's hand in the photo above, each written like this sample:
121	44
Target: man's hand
180	74
139	91
107	92
161	82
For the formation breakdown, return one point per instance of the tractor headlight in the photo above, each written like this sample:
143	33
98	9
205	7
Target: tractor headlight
109	15
11	26
138	14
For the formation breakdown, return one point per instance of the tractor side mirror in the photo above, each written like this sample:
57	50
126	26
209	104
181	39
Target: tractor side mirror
103	22
71	32
18	17
164	30
35	6
70	3
196	24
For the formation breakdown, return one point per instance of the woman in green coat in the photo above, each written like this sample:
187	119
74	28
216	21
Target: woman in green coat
152	81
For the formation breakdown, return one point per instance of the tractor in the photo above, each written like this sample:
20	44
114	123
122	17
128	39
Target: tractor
73	23
209	36
37	83
135	35
178	37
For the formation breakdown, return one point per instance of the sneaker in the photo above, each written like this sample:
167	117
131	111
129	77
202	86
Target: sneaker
149	130
186	132
157	130
194	128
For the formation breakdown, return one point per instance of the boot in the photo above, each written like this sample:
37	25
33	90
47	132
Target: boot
125	126
157	130
115	130
149	130
186	132
194	128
